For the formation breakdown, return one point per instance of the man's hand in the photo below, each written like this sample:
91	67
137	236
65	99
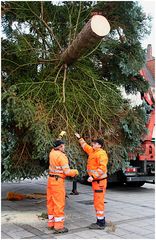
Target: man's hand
90	179
77	135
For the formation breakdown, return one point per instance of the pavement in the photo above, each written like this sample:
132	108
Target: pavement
130	213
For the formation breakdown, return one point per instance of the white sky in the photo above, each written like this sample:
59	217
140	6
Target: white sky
149	8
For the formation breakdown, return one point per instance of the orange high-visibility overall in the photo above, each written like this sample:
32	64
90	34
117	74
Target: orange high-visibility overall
58	170
97	168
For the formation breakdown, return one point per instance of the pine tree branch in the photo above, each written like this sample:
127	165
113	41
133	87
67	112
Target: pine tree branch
102	82
43	38
46	25
8	60
24	94
17	163
121	37
40	34
70	24
96	88
5	7
89	105
42	10
66	113
28	43
33	83
39	90
77	21
80	108
52	107
102	97
25	50
106	85
64	119
27	64
64	79
58	73
40	61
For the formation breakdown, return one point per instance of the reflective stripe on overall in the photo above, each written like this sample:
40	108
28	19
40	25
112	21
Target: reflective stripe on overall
59	169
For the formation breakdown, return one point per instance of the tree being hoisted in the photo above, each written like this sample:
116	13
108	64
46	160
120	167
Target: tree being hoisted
40	97
91	34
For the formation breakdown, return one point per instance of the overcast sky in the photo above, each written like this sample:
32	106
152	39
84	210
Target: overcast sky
149	7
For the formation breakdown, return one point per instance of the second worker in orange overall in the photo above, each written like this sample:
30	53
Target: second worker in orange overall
58	170
97	171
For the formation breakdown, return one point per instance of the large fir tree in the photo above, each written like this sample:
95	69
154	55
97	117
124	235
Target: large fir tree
42	96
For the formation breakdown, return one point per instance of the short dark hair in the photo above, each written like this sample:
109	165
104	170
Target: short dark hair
99	141
57	143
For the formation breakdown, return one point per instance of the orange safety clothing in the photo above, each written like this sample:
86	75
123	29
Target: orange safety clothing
99	189
97	161
97	168
58	164
58	170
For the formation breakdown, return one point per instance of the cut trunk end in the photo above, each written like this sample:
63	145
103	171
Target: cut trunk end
91	34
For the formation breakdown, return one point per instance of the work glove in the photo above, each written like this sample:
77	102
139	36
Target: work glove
76	172
90	179
77	135
62	133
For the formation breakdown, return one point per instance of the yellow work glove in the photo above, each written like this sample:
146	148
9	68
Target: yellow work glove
62	133
76	172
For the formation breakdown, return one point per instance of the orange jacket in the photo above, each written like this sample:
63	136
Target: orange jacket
58	164
97	161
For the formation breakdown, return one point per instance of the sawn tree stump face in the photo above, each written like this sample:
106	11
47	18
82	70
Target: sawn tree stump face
92	33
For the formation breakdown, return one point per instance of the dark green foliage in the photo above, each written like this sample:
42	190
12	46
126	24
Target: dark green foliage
40	97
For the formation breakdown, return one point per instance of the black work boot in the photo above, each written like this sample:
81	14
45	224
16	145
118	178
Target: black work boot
51	228
100	224
62	230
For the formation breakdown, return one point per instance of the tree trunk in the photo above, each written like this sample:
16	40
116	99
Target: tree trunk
91	34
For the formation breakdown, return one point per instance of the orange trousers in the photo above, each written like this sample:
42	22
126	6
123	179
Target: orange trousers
56	202
99	189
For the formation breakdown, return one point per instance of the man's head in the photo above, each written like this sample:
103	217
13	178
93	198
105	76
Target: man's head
97	143
59	145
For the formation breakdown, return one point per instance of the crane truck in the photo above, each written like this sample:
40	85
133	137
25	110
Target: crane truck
142	165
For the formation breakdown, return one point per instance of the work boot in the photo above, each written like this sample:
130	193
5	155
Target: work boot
95	226
61	230
100	224
51	228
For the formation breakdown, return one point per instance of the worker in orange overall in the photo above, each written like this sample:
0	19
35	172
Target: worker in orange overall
58	170
97	171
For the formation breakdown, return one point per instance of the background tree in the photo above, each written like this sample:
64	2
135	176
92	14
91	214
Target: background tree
42	96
